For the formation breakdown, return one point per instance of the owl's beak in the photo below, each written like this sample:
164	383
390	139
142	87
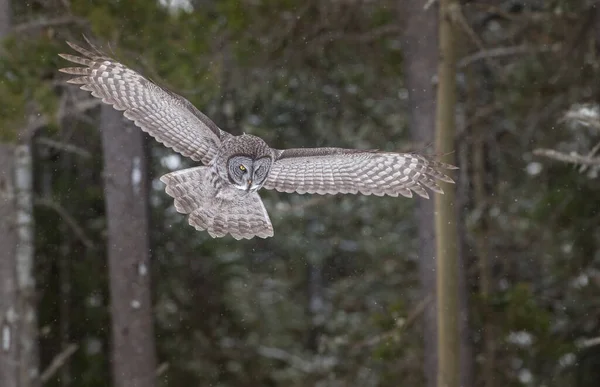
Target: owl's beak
249	185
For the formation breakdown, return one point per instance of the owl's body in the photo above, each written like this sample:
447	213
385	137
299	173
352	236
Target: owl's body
216	206
221	196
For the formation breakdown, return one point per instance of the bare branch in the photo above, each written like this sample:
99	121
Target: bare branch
64	147
459	18
58	361
279	354
572	158
391	30
401	327
69	220
44	120
45	23
506	51
161	369
591	153
586	343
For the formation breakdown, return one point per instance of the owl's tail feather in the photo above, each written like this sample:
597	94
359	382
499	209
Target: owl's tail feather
234	212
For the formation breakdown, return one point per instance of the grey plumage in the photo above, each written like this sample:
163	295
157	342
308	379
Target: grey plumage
202	194
221	196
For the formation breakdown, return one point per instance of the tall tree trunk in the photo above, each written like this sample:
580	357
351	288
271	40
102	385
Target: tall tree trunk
24	253
445	213
9	357
19	363
126	193
420	50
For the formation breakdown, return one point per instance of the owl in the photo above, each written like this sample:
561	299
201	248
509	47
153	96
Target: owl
221	195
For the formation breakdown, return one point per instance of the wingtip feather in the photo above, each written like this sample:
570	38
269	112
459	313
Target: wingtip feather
75	70
76	59
77	81
422	192
81	50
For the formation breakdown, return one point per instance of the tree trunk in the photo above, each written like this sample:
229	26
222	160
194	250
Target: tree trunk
24	253
19	363
445	213
9	358
8	240
420	65
126	193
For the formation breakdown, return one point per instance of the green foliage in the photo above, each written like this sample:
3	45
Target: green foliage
26	88
12	111
522	312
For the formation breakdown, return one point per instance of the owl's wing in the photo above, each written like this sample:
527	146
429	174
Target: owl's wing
336	170
166	116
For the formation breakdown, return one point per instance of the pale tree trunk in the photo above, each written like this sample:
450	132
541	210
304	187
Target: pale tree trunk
9	357
126	195
420	49
28	337
445	213
19	364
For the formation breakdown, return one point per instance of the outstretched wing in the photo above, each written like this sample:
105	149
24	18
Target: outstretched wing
166	116
337	170
241	214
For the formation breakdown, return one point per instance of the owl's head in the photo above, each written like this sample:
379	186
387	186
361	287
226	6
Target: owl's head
245	161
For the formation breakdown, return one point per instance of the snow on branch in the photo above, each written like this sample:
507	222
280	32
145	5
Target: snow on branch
580	115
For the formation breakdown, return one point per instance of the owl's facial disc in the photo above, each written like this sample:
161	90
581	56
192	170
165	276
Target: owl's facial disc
260	171
239	171
246	173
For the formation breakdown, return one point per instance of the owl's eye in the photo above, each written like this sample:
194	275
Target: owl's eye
242	168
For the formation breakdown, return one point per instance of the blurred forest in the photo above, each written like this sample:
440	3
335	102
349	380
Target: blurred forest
102	283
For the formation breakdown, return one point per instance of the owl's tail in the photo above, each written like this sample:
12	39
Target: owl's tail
238	213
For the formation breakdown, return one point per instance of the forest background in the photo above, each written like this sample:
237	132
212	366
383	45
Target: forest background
103	283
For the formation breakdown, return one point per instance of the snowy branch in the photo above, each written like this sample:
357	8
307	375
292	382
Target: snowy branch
572	158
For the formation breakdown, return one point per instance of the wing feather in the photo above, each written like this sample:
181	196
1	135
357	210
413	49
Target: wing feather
337	170
169	118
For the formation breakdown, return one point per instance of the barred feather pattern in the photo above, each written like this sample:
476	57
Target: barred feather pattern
209	194
349	171
215	207
166	116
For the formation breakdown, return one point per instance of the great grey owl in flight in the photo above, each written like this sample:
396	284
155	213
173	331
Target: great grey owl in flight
221	196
